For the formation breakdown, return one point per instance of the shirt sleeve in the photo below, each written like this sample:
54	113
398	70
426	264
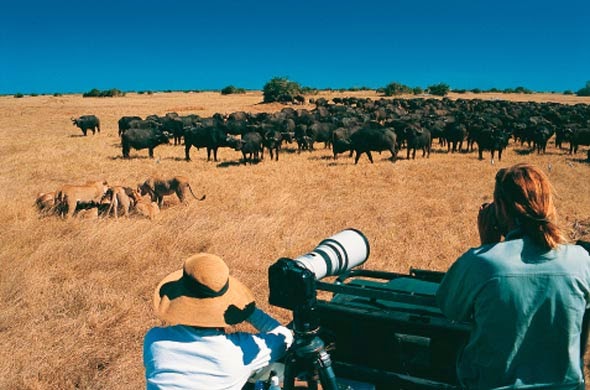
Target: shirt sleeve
262	321
459	288
267	346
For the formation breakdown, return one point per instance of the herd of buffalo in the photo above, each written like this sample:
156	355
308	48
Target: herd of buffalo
363	125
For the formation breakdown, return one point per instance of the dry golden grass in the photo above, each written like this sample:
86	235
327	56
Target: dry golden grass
76	294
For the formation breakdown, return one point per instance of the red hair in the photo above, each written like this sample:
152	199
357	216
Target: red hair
527	196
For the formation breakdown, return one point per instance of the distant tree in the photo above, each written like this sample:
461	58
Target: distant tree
568	92
362	88
584	91
459	90
309	91
395	88
417	90
94	92
18	95
280	89
230	89
522	90
439	89
476	90
107	93
56	94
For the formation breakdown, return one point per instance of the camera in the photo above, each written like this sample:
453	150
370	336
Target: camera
382	328
292	282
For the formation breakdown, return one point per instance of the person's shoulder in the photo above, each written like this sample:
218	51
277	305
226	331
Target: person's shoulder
175	332
156	332
485	252
576	254
577	249
491	259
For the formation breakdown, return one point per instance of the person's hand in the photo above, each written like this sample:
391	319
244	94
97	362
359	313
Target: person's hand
234	315
487	224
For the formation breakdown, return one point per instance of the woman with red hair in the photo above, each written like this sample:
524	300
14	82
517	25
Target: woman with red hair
525	290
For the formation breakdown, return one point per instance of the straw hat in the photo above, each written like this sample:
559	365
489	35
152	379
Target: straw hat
203	294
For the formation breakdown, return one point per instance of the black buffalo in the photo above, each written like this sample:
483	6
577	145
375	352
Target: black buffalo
418	138
579	137
148	124
142	139
454	134
251	146
124	123
272	141
493	140
370	139
341	140
87	122
173	125
541	137
320	132
210	137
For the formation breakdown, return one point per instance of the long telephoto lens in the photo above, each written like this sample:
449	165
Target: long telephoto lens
336	254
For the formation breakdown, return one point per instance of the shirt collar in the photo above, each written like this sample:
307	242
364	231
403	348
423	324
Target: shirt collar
514	234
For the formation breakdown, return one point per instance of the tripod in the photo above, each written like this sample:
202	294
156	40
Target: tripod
308	354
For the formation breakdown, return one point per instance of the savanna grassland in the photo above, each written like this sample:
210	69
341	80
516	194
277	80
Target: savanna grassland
76	294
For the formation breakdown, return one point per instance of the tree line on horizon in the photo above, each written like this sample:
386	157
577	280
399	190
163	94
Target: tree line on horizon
280	87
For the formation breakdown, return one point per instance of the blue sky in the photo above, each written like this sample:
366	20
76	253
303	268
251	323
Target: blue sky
74	46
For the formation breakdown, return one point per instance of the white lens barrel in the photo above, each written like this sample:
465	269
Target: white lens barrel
336	254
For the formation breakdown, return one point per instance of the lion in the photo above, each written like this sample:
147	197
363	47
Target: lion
70	196
89	213
147	208
120	197
157	188
45	202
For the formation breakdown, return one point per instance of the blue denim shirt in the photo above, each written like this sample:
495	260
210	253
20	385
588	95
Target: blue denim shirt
526	305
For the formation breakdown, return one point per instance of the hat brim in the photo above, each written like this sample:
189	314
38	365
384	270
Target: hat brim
175	305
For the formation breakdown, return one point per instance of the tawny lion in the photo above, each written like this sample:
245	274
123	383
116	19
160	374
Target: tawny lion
147	208
122	198
69	196
157	188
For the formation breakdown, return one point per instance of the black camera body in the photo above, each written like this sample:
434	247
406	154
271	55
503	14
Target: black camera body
292	286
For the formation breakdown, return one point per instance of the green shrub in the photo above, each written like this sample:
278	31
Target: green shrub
584	91
92	93
395	88
113	92
57	94
417	90
522	90
230	89
280	89
18	95
568	92
459	90
439	89
476	90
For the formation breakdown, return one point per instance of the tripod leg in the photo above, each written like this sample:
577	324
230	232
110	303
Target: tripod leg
324	367
290	372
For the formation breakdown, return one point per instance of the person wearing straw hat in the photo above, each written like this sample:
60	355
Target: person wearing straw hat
527	294
193	351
